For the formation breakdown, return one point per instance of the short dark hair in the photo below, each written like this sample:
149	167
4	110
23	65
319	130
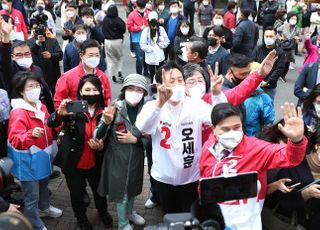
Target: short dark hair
141	3
94	80
19	44
89	43
217	30
191	30
245	12
71	5
231	5
19	80
174	2
270	28
200	46
77	27
280	13
168	66
223	111
237	60
87	11
291	14
219	12
96	4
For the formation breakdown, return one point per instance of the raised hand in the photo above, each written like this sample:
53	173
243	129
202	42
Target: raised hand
5	29
109	113
267	64
62	110
164	90
216	81
294	127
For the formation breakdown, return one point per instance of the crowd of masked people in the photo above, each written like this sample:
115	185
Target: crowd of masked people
226	63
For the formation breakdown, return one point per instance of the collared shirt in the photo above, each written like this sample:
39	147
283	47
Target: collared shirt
218	151
213	51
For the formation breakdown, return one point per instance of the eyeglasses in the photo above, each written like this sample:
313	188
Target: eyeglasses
194	82
21	55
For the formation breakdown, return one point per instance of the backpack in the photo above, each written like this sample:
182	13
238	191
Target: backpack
4	105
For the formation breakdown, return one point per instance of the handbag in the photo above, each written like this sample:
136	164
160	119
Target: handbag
271	220
288	44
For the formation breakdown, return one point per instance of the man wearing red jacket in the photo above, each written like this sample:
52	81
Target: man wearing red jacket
7	9
229	151
67	84
137	21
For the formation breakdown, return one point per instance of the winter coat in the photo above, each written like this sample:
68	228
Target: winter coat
278	69
69	25
30	162
50	67
269	9
72	142
67	85
250	155
229	21
277	24
154	53
311	54
221	56
259	112
245	37
113	27
205	14
123	164
134	23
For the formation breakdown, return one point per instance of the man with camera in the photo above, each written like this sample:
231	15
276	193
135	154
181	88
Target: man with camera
44	15
46	51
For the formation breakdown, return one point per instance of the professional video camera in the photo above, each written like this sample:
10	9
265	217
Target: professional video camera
205	212
41	21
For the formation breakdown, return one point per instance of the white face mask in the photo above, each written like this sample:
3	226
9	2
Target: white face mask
293	22
81	38
133	97
174	10
184	30
317	109
269	41
5	7
33	95
161	7
69	14
184	54
149	6
205	3
24	62
92	62
178	93
197	91
230	139
218	22
235	11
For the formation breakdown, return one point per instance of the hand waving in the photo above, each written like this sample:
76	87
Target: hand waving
216	81
5	29
293	128
109	113
267	64
164	90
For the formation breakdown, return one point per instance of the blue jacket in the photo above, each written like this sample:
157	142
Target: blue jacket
71	57
307	79
259	112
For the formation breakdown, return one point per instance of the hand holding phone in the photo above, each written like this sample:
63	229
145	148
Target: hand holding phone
77	107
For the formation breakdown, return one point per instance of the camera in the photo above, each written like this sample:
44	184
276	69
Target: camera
41	21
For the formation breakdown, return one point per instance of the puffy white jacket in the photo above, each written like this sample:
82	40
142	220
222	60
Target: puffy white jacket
154	50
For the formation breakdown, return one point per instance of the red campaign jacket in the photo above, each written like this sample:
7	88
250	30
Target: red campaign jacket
135	21
67	85
21	124
229	20
19	22
236	95
252	154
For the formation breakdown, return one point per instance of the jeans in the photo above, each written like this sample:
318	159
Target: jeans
36	196
139	58
124	208
271	93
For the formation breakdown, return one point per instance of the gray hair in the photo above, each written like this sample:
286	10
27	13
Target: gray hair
190	69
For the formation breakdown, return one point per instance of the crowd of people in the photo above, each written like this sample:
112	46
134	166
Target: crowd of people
56	106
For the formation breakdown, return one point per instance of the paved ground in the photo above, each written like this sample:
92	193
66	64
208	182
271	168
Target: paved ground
60	193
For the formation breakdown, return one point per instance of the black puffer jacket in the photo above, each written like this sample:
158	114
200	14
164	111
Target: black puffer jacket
113	27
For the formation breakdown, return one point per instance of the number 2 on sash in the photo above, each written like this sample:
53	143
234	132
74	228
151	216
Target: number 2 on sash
163	142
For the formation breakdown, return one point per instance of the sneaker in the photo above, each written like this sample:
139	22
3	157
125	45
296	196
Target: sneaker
127	227
150	204
106	218
85	225
133	54
51	211
136	219
291	67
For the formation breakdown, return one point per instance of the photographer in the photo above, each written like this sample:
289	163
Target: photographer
46	52
42	13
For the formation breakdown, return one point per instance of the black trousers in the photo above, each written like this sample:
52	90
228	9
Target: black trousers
175	199
153	69
77	182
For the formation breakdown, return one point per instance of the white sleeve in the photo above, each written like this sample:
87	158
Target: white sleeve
218	99
148	118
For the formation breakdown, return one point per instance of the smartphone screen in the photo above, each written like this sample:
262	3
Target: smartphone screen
121	127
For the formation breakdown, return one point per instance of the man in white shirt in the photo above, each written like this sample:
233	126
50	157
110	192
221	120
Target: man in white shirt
175	123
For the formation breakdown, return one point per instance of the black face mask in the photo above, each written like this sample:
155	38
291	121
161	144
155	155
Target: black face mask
153	23
212	41
91	99
235	80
